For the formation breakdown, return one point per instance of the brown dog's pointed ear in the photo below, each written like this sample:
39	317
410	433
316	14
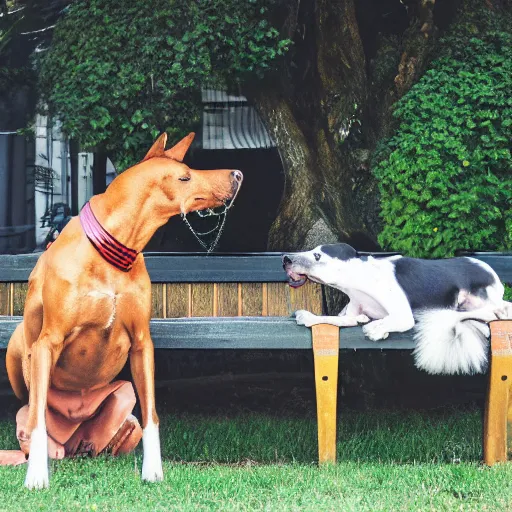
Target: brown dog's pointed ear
158	148
179	151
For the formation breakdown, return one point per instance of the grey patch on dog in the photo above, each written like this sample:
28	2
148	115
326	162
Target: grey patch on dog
343	252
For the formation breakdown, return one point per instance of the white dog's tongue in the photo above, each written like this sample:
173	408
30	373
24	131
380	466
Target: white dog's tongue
296	280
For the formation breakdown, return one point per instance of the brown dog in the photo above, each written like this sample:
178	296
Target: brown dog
88	304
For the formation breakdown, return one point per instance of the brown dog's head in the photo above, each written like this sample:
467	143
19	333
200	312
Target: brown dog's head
182	189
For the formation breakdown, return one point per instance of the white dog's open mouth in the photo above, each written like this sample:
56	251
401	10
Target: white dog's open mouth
296	280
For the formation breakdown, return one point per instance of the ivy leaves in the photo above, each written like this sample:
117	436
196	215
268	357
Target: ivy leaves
120	72
445	178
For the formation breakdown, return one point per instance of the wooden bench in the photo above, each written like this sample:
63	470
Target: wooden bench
243	302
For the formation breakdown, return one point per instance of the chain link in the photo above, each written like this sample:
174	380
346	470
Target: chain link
220	227
209	212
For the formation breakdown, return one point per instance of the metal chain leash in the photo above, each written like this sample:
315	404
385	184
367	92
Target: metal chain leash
209	212
220	226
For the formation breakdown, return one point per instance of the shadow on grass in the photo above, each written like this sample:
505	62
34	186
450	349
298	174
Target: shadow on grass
391	437
282	429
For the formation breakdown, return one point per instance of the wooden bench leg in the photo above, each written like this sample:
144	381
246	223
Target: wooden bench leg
326	344
498	417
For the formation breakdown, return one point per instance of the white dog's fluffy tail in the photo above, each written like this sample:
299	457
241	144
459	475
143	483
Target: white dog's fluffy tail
449	341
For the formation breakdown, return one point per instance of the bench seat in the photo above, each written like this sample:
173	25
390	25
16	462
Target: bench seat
267	333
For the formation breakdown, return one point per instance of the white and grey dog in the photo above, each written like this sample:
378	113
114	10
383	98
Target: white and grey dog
448	301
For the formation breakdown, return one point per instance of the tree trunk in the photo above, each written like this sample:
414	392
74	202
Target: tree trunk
326	111
309	108
342	131
410	58
296	213
416	48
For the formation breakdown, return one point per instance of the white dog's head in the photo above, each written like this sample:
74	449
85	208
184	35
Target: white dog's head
317	264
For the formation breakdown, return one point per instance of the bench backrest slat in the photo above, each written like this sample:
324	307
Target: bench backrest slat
175	300
501	263
177	268
217	268
193	285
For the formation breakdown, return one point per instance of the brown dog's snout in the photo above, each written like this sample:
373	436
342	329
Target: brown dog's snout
237	176
236	182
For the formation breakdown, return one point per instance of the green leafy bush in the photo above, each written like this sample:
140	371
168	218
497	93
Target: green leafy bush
445	177
118	72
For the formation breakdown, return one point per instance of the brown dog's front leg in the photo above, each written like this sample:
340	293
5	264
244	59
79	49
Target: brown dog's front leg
142	365
40	367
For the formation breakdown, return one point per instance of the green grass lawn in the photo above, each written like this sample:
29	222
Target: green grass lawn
386	461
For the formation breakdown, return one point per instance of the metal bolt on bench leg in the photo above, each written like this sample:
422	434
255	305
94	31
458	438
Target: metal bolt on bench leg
326	343
498	421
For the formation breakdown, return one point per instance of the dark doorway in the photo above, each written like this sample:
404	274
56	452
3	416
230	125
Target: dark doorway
249	221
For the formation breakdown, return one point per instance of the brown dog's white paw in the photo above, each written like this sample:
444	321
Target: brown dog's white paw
152	460
37	471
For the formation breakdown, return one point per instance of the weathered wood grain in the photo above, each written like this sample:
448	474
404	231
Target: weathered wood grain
497	419
278	299
264	306
202	299
326	342
308	297
252	299
227	296
177	300
5	301
157	300
19	291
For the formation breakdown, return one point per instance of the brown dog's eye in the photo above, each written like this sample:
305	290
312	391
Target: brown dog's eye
184	178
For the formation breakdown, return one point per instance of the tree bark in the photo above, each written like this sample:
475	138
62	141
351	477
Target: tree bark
296	213
414	56
326	114
342	101
308	108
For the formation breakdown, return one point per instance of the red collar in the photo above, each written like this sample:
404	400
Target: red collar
111	250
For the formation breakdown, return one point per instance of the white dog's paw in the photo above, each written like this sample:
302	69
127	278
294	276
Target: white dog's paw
306	318
505	312
362	319
376	330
